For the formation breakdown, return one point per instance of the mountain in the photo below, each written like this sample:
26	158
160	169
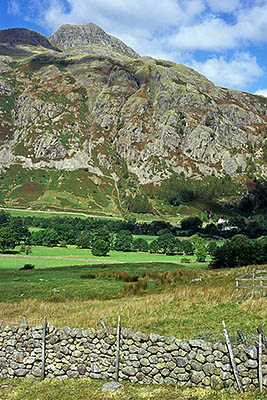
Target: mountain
85	122
21	36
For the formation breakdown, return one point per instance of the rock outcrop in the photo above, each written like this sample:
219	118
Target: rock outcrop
22	36
88	36
97	105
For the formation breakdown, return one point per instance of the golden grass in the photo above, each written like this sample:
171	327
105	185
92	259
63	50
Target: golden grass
84	389
182	312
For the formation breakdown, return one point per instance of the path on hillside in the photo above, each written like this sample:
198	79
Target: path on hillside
57	258
59	212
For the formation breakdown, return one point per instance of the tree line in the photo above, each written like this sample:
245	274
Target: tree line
104	235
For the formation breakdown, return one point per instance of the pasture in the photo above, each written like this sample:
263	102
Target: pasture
84	389
151	292
46	257
176	300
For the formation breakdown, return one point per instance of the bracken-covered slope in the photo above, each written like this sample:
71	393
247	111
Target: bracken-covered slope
86	102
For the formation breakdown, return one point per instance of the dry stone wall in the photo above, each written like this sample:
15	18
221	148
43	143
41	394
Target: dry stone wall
144	358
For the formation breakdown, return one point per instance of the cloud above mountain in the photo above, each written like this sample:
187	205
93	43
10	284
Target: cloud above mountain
218	37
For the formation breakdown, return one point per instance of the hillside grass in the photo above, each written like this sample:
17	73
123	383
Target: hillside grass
71	255
181	308
85	388
105	281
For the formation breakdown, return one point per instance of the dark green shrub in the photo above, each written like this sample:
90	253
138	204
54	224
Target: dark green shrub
27	267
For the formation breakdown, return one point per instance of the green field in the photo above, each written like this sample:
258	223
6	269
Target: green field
84	389
60	256
60	284
151	292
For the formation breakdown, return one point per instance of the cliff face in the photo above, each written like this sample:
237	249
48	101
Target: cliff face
99	106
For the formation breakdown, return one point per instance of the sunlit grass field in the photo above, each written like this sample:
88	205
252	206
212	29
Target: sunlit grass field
192	306
84	389
61	256
178	300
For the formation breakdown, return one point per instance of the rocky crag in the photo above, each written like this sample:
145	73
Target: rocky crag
83	101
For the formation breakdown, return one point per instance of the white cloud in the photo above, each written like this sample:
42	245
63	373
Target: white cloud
237	73
13	7
214	33
262	92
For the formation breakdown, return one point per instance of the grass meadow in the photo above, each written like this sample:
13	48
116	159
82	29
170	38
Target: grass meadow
46	257
151	292
84	389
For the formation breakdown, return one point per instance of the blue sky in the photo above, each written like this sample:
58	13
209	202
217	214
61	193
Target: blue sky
223	39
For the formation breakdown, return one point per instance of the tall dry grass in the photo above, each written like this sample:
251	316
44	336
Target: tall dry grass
188	311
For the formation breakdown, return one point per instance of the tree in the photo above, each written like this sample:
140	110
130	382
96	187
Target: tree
201	254
84	240
7	239
191	223
19	228
237	252
138	204
4	218
166	242
140	244
211	248
50	237
100	247
101	233
123	241
154	246
188	248
197	241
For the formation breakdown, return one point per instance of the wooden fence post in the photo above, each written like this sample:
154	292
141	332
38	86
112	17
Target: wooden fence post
117	359
253	282
231	355
260	361
43	350
242	337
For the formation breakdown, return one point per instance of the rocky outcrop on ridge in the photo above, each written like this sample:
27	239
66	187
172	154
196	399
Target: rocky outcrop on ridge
22	36
88	36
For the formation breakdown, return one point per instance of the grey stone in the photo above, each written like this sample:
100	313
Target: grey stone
209	368
216	382
81	369
251	351
129	371
72	374
195	365
29	360
181	362
251	364
67	330
196	377
183	377
154	337
111	387
170	340
169	381
158	378
153	349
165	372
217	355
146	370
21	372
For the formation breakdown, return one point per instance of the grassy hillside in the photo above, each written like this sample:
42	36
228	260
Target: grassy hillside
172	303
